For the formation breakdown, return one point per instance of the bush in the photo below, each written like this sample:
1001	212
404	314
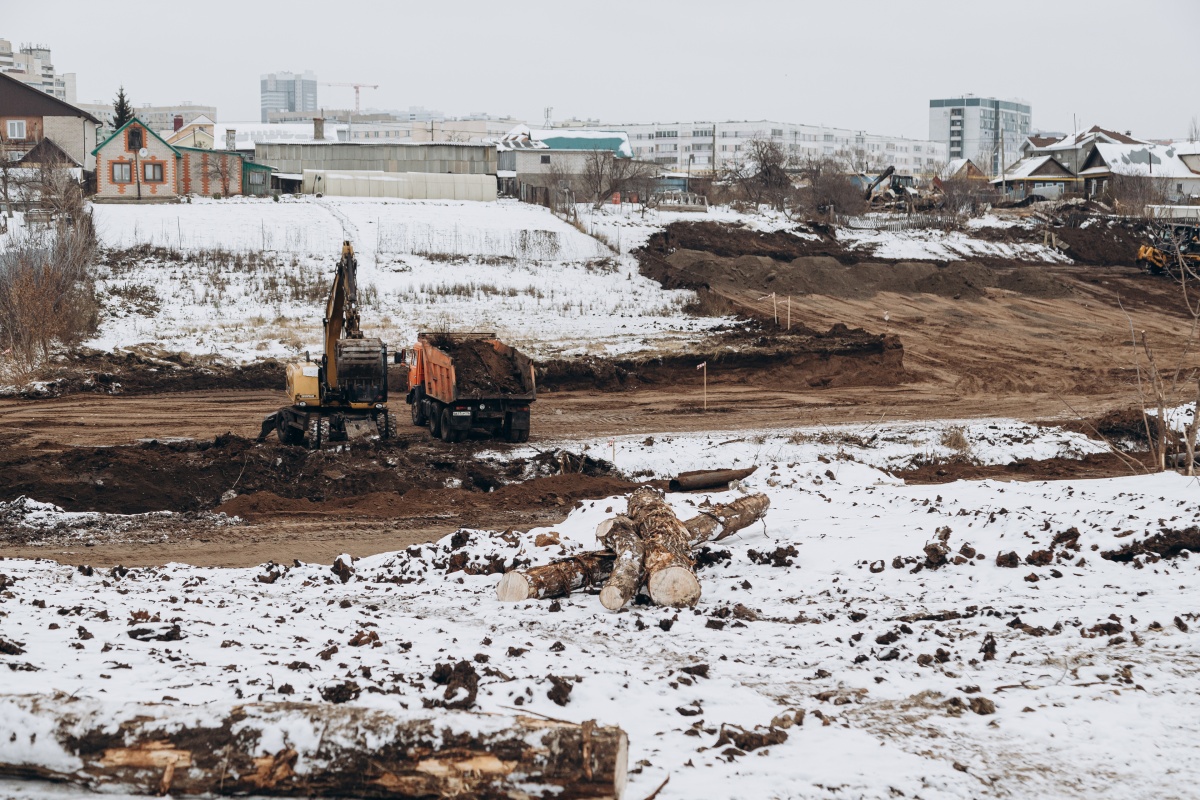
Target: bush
216	196
275	196
47	296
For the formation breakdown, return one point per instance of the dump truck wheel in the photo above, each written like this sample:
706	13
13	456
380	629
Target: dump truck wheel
446	429
524	437
435	428
418	412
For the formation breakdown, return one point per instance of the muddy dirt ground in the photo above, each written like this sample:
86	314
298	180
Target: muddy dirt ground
868	342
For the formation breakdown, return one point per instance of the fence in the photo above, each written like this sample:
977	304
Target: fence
895	224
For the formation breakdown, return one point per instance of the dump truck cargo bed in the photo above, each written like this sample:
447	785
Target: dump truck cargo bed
470	381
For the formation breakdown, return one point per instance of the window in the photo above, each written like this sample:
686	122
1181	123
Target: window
828	137
16	129
122	173
702	133
545	159
256	178
133	139
777	131
152	173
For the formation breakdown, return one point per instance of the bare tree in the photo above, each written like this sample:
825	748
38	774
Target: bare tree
604	174
1132	193
221	170
1194	130
760	172
827	189
52	184
860	160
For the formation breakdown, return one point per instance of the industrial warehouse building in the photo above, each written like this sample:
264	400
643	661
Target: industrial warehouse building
405	170
441	157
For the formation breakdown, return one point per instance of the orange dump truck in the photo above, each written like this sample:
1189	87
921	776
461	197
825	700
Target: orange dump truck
459	382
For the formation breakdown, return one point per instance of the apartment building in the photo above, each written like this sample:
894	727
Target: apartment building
704	147
31	65
986	130
287	91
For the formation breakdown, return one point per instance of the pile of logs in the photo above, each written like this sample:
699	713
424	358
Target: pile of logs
305	750
647	547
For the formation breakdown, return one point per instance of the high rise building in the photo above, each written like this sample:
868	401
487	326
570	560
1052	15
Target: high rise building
32	65
986	130
287	91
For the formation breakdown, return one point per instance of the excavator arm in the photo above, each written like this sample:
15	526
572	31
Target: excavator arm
887	173
341	311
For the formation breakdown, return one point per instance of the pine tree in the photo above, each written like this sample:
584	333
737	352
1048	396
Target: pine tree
122	109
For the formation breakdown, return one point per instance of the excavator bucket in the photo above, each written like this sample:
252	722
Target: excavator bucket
268	424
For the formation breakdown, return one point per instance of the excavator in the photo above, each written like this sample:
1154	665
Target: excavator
344	395
1175	245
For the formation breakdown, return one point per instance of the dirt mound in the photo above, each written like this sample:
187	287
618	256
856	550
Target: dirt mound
1101	465
479	368
841	356
1165	544
823	275
147	370
1123	425
1101	242
198	475
732	241
553	490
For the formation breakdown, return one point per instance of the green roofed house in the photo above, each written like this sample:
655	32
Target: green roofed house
136	165
535	165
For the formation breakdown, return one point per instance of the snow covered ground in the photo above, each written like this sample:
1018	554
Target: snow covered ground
507	267
1064	675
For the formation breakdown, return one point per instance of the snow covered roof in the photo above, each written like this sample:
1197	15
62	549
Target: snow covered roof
251	133
1092	134
1149	160
524	138
956	165
1027	168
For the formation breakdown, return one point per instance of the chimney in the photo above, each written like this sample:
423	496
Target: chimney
178	121
318	129
230	139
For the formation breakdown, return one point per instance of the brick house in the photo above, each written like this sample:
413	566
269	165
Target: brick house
29	115
136	164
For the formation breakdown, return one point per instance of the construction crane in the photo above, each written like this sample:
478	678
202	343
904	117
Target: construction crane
357	90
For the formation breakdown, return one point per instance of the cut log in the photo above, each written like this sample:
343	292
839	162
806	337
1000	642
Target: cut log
561	577
620	536
306	750
670	580
724	520
707	479
556	579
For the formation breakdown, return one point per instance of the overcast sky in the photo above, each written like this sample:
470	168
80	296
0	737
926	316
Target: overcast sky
862	65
